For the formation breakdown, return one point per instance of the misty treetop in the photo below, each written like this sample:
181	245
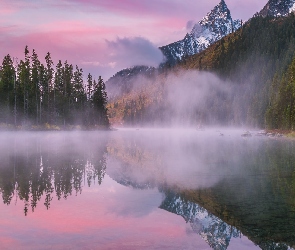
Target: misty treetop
37	94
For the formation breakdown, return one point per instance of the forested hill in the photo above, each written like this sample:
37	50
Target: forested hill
255	68
260	59
34	95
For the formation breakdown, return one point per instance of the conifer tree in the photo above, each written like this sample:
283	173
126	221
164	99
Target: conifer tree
34	90
48	89
7	84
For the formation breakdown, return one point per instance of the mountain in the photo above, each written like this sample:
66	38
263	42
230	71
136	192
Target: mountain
277	8
214	26
257	63
122	81
255	59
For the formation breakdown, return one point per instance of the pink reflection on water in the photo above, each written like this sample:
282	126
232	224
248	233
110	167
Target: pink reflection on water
92	221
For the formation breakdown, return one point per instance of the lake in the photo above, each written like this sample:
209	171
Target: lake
146	189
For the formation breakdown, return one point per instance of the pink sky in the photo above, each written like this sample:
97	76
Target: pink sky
81	31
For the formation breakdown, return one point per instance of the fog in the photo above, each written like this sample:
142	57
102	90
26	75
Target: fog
180	158
182	99
145	158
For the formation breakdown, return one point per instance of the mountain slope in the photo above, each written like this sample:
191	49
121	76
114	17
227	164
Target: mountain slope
246	60
123	81
277	8
215	25
250	58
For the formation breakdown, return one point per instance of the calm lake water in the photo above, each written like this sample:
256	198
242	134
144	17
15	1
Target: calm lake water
146	189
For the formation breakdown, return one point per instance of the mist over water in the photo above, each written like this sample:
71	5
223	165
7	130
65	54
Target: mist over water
182	158
185	158
99	181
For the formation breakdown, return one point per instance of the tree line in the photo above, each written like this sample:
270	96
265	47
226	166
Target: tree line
35	94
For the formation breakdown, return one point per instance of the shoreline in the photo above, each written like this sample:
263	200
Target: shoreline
48	127
285	133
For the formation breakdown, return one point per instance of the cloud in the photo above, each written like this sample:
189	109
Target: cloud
132	51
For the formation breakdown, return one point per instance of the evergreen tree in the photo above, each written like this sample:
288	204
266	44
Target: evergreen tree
99	100
79	95
48	90
34	88
58	95
7	90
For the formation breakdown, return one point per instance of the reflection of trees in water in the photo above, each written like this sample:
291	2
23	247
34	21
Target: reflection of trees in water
48	173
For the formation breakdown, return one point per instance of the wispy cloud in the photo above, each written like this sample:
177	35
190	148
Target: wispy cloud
135	51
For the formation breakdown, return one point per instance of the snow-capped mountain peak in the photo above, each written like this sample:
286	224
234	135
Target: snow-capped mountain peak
211	28
277	8
220	11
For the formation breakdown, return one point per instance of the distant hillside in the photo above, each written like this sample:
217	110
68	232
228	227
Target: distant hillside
123	81
256	87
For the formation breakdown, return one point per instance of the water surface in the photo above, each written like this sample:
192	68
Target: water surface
146	189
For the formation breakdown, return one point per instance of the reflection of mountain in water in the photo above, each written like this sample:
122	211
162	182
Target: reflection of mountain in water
213	230
34	172
253	192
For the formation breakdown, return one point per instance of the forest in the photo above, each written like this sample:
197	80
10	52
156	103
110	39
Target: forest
48	96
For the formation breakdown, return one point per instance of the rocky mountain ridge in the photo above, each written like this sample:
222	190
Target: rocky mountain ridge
278	8
214	26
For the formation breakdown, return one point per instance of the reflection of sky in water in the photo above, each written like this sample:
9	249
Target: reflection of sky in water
123	212
109	216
